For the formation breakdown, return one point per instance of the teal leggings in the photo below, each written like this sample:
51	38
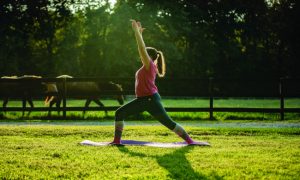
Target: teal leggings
150	104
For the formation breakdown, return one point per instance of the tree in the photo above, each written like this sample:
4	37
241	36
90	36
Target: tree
28	40
199	38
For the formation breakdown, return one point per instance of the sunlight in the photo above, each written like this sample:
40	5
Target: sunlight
112	3
82	4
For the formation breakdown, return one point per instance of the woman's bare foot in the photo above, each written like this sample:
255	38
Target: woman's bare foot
116	143
199	143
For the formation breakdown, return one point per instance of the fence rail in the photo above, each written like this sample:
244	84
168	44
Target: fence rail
208	88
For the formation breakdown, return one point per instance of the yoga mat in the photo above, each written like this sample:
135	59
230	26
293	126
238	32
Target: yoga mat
144	143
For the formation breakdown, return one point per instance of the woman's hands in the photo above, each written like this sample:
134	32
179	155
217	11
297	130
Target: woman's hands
138	29
136	26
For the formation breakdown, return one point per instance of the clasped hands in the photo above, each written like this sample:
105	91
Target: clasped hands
136	25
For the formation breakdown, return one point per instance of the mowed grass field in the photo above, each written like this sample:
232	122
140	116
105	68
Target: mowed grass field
171	102
53	152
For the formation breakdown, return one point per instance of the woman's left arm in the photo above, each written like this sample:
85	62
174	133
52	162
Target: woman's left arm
141	44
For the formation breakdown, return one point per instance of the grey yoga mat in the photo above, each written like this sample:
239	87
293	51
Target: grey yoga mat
144	143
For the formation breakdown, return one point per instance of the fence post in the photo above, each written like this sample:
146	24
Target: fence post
211	99
281	93
64	97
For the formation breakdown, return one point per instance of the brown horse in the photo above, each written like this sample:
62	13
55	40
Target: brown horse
91	91
20	90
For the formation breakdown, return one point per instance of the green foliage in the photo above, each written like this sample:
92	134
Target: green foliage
53	152
198	38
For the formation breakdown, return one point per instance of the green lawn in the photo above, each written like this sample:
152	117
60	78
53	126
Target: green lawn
53	152
190	102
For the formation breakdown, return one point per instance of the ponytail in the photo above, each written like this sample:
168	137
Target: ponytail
161	65
157	56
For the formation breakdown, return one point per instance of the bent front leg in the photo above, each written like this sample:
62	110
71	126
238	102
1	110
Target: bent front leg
131	108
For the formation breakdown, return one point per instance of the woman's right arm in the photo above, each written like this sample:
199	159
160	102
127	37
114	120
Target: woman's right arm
141	44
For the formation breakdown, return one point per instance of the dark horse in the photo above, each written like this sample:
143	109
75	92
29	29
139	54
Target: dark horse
24	90
91	91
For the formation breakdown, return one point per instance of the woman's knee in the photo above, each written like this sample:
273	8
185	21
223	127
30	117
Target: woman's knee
170	124
119	115
166	120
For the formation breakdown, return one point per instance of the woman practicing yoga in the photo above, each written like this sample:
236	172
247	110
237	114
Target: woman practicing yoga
147	97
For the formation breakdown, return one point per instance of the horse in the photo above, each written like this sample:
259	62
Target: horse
23	90
91	91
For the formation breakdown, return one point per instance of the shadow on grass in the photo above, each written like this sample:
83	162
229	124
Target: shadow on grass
175	163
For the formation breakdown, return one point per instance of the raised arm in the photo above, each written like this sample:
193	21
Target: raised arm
137	28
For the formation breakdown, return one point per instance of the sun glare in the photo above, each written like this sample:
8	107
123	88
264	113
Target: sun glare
112	3
81	5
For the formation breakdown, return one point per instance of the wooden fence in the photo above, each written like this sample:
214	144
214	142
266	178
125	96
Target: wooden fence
203	88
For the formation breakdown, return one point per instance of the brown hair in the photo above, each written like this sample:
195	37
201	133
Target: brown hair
157	55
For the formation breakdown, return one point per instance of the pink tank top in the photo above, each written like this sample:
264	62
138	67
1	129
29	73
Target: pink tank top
145	81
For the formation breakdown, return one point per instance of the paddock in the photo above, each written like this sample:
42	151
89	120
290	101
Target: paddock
211	91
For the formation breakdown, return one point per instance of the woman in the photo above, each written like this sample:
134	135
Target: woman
147	97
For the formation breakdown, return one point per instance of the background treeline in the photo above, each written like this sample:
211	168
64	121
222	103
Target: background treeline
219	38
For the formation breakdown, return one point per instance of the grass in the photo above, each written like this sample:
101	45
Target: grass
191	102
53	152
169	102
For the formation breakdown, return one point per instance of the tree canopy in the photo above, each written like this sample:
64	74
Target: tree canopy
207	38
